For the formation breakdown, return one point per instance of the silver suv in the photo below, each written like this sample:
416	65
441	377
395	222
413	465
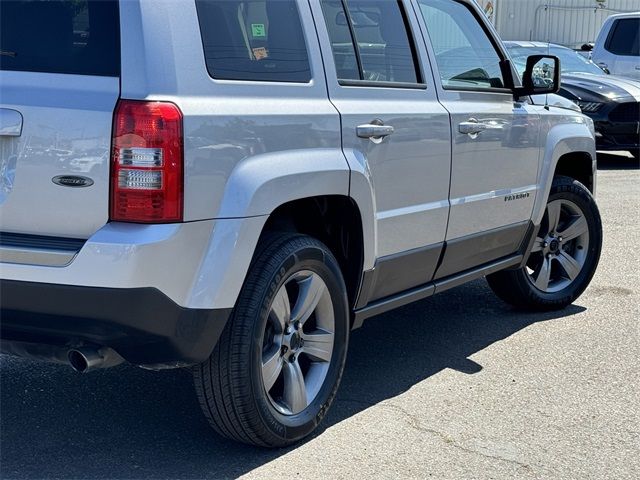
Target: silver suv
234	186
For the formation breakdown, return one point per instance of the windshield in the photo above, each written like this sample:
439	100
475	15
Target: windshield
570	61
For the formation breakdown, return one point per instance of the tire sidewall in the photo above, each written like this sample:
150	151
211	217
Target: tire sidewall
292	427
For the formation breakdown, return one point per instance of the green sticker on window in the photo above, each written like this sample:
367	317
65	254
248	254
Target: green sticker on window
257	30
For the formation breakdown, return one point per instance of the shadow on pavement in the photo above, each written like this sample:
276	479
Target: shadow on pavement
125	422
617	161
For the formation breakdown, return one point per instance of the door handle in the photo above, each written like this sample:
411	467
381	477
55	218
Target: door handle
10	123
374	131
472	127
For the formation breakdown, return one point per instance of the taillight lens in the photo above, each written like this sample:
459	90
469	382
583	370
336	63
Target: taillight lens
147	162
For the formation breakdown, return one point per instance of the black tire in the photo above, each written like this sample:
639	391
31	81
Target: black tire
230	385
516	287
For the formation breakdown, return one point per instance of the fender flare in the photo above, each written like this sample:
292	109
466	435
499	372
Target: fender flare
260	184
562	139
362	191
257	187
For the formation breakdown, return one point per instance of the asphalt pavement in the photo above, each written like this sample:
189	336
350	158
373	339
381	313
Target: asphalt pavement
457	386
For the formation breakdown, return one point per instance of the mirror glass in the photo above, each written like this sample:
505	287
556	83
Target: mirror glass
543	74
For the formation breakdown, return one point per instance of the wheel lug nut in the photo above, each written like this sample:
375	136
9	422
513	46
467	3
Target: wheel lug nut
545	244
292	358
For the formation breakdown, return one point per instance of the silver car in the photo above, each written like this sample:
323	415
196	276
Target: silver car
234	186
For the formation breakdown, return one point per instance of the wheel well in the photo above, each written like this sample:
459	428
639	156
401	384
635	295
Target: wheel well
335	221
577	165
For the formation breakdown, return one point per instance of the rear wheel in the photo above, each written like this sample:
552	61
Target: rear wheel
276	369
564	256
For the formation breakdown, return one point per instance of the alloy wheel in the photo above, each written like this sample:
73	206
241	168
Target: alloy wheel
298	342
560	250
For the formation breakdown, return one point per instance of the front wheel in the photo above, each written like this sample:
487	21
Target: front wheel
276	369
564	256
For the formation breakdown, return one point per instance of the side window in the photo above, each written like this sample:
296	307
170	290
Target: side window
258	40
464	53
624	38
370	42
80	37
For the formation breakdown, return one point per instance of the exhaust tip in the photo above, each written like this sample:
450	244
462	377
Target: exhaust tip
83	360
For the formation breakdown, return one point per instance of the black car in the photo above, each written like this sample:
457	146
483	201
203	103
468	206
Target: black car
612	102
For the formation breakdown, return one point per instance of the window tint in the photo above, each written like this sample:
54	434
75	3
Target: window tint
464	53
258	40
625	37
384	50
74	36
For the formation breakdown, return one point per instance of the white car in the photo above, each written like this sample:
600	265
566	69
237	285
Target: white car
617	48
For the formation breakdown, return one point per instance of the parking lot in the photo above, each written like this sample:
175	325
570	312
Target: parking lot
455	386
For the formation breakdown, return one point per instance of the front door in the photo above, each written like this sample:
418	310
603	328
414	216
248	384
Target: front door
495	144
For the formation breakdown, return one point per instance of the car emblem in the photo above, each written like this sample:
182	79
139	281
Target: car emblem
73	181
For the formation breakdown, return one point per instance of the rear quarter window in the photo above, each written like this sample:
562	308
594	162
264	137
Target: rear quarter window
60	36
258	40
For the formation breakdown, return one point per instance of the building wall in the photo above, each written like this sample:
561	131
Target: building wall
567	22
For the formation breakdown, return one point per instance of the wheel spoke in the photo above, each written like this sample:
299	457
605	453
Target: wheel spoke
295	393
542	280
576	228
280	307
271	368
311	290
553	212
537	244
318	345
569	265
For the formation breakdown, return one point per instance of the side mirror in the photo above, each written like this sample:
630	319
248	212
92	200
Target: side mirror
542	75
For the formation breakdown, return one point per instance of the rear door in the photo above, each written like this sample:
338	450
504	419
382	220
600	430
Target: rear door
392	122
495	144
59	83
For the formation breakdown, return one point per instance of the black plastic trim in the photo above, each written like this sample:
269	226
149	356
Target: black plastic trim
142	325
505	91
527	243
402	271
369	83
477	249
430	288
368	279
474	273
19	240
395	301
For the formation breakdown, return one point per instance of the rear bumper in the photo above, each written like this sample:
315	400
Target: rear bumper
198	265
142	325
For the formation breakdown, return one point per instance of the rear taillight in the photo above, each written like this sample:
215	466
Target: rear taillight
147	162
